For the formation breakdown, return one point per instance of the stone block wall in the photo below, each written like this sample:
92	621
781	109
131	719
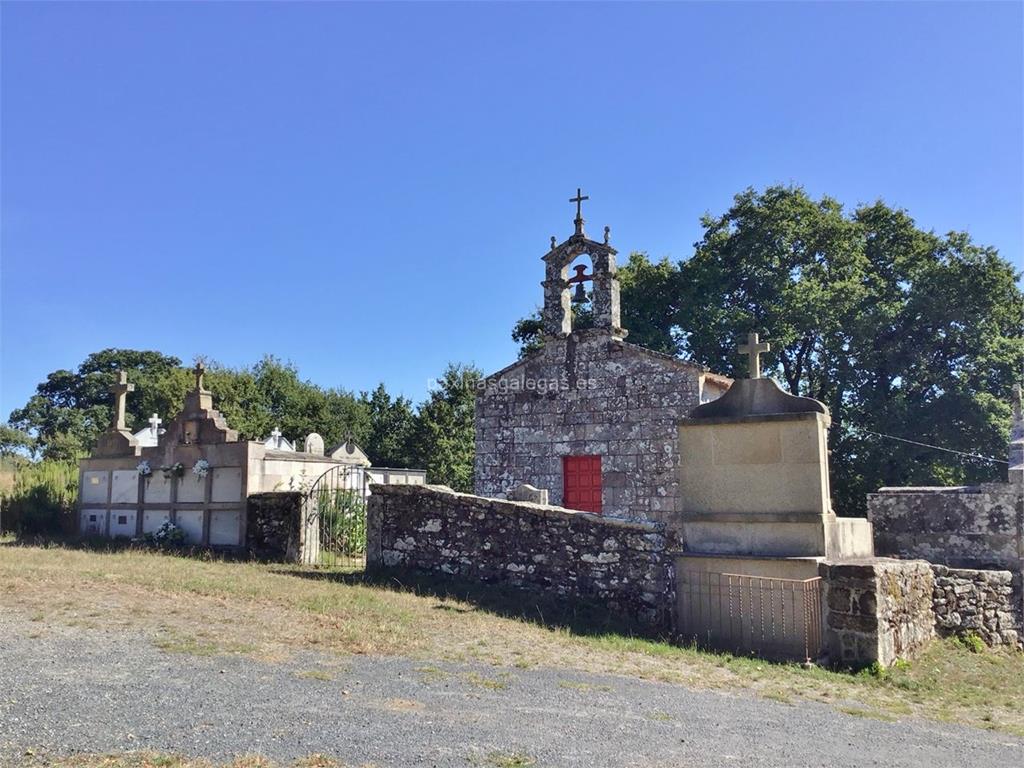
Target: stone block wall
622	565
976	601
877	610
590	394
273	525
979	527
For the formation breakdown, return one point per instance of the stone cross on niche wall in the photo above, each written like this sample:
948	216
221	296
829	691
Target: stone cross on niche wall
120	389
754	347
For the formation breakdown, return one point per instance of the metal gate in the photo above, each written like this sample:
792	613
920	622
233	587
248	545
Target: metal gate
334	519
770	617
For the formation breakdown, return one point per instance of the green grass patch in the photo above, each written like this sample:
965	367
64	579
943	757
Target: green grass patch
499	683
432	674
871	714
582	686
315	674
509	760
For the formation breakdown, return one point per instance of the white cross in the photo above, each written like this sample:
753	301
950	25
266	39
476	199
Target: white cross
754	349
276	434
154	423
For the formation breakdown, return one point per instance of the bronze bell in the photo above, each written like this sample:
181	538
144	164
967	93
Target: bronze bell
579	295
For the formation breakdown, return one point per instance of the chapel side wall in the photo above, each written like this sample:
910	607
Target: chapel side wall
618	402
625	566
980	527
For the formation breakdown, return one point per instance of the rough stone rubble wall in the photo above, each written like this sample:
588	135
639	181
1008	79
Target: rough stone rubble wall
877	610
612	399
272	525
982	602
979	527
620	564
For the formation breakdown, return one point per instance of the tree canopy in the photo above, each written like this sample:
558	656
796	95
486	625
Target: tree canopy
897	330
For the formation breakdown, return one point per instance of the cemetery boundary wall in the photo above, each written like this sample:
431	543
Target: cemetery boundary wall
979	602
626	566
873	610
273	526
979	527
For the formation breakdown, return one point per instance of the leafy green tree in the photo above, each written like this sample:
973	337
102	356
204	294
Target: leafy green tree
71	408
15	442
650	303
392	428
270	394
899	331
528	333
444	432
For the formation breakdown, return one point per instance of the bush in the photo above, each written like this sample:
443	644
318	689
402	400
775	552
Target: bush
343	521
971	641
167	536
41	498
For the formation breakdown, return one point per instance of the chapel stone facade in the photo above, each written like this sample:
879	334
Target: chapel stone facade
589	417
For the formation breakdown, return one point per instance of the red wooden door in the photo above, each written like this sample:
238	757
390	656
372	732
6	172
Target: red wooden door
582	483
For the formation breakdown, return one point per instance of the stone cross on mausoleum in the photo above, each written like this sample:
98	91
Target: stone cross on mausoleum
753	348
155	422
198	372
120	390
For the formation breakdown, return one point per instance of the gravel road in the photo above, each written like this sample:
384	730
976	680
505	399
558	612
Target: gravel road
76	690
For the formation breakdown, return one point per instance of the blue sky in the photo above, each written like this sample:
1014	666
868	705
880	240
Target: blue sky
367	189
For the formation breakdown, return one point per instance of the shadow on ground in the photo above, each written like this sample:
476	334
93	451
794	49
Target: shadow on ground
577	616
101	545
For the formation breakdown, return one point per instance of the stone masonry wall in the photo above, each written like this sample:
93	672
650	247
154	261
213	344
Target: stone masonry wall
877	610
272	525
977	601
590	394
973	527
621	564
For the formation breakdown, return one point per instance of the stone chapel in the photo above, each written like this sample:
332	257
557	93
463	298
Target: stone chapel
589	417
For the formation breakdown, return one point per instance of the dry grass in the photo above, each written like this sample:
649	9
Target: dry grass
267	611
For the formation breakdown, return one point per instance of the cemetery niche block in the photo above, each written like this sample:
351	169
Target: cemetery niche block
197	475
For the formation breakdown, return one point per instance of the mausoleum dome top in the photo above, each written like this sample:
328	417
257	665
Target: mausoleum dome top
757	397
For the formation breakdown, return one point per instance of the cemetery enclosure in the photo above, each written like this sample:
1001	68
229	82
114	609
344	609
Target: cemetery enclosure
855	612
